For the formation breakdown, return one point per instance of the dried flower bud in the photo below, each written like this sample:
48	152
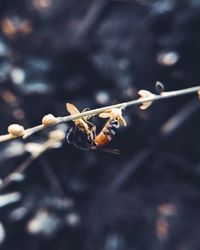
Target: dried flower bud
16	130
49	120
57	135
145	94
159	87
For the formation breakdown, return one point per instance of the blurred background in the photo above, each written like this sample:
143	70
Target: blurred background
94	53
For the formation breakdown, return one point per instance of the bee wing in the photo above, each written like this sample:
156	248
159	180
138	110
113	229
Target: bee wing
72	109
104	115
108	150
78	122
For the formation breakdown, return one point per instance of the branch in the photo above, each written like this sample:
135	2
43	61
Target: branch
146	99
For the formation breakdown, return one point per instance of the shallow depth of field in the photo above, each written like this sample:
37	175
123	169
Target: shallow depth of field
94	53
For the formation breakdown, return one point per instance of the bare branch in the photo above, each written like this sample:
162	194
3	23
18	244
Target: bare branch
142	100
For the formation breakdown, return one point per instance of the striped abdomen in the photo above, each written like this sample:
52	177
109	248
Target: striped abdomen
107	133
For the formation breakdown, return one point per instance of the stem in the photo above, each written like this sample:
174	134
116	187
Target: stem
94	112
123	105
19	170
24	165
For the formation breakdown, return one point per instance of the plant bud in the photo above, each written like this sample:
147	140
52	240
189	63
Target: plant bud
16	130
145	94
49	120
159	87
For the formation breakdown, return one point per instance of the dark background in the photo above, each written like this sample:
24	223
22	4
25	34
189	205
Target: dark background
97	53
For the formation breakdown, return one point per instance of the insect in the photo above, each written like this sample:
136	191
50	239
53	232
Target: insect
82	134
115	120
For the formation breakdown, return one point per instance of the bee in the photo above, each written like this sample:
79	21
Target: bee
115	120
83	133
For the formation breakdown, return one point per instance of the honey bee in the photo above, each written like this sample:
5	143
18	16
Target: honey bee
82	134
115	120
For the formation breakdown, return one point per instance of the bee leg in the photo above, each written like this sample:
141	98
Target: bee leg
87	117
91	126
70	134
123	121
107	150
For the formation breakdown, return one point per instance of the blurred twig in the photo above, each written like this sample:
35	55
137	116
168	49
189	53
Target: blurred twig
90	20
51	177
36	150
178	119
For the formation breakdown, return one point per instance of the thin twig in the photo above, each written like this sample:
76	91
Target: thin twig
59	120
51	177
90	20
51	142
178	119
18	171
